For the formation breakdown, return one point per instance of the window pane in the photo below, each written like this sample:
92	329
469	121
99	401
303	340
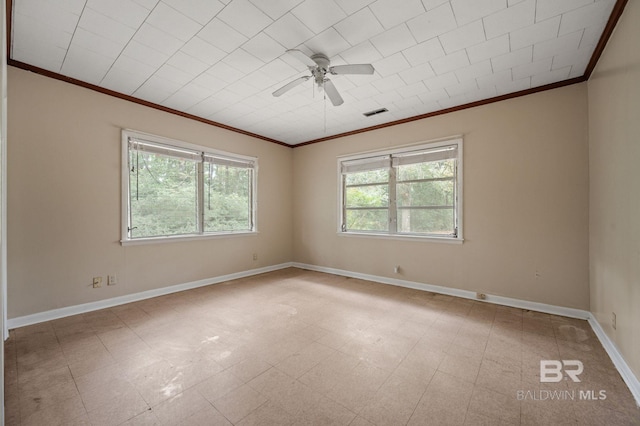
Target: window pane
367	196
368	220
428	221
227	198
433	169
429	193
372	176
163	192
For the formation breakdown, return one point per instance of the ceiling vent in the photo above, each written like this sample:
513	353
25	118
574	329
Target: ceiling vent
375	112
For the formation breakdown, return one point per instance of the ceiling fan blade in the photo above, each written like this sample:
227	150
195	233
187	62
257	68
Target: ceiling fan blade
290	85
352	69
332	92
302	57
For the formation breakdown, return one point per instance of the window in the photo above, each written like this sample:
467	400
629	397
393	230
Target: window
415	191
175	189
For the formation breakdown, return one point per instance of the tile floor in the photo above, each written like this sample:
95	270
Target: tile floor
298	347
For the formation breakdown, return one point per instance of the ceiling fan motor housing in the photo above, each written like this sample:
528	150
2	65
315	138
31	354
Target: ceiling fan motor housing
321	70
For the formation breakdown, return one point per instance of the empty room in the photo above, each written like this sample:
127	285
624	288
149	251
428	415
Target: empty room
305	212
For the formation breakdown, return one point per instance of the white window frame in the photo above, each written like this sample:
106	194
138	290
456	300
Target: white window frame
406	149
127	135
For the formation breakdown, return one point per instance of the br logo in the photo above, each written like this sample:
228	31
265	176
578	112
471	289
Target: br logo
551	371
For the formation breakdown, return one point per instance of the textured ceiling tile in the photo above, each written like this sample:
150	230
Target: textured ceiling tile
391	65
462	37
532	68
470	10
156	89
441	81
476	70
361	54
462	88
512	59
393	40
450	62
158	40
172	22
187	63
591	15
549	8
412	89
318	15
535	33
125	11
104	26
552	47
497	78
424	52
550	77
86	65
433	23
201	11
30	32
359	27
145	54
289	31
222	35
228	69
328	42
203	51
276	8
175	75
243	61
419	73
95	43
244	17
351	6
518	16
392	12
488	49
513	86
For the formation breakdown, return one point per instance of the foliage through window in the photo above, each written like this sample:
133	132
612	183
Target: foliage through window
415	191
177	189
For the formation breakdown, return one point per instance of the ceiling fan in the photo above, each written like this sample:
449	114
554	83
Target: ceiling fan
319	66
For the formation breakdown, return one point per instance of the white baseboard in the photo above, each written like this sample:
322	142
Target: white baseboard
121	300
623	368
621	365
465	294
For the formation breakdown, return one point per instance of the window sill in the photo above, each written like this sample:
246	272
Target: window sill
183	238
445	240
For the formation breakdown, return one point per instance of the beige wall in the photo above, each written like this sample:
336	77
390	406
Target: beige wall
614	207
64	199
525	202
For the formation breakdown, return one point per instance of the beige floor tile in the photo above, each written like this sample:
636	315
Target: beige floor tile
239	403
61	413
305	359
118	410
268	414
218	385
313	348
180	407
206	417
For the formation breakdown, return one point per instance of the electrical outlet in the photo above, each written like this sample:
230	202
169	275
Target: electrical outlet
613	320
97	282
112	279
396	269
255	256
